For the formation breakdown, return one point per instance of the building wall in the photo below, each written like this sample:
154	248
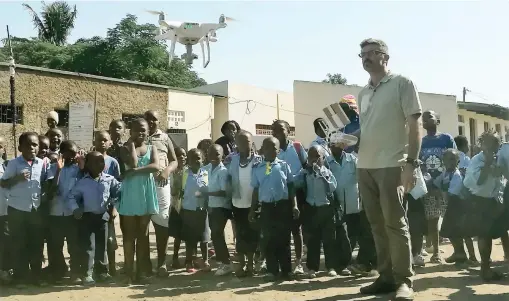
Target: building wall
42	91
220	115
251	106
311	97
472	134
199	113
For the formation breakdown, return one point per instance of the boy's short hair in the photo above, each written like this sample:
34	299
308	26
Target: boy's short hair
42	137
204	143
68	145
23	138
461	141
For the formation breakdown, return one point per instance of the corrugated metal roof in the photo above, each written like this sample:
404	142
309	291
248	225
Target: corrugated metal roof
492	110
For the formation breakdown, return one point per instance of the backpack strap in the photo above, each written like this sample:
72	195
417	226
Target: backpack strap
298	148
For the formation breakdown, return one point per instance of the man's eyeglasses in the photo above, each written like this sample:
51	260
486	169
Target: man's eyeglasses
369	53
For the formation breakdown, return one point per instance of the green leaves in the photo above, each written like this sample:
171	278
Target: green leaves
335	78
128	51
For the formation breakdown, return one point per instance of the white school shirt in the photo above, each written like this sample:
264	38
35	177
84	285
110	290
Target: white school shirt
246	190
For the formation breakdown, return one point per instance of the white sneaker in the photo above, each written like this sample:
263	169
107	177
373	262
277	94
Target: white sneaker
224	269
332	273
311	274
299	270
418	261
424	253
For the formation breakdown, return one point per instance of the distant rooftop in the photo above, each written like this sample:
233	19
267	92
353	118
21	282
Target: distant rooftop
492	110
97	77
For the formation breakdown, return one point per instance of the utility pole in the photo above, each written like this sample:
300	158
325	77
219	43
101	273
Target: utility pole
12	81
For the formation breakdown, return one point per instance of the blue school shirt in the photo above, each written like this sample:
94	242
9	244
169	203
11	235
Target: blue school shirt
94	195
3	196
112	167
233	172
464	161
218	180
347	189
291	157
450	182
432	149
69	176
271	179
503	159
319	189
493	187
26	195
194	182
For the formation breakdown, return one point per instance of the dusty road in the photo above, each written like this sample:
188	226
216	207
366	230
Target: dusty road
431	283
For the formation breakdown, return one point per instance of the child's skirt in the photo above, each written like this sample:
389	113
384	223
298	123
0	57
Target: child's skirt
193	224
487	218
174	224
434	206
455	220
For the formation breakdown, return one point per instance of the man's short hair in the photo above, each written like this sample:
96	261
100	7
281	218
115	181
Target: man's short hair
381	44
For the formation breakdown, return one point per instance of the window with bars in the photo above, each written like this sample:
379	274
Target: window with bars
266	130
63	117
498	128
127	118
486	126
461	119
6	115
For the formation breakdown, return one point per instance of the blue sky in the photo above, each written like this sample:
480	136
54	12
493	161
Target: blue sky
443	46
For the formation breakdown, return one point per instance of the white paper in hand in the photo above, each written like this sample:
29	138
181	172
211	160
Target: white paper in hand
420	188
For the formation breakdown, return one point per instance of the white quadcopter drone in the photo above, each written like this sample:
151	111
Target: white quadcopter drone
188	34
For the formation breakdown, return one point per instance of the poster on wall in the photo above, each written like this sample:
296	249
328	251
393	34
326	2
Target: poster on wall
81	123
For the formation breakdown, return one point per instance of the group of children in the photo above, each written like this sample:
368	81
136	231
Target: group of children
54	193
466	199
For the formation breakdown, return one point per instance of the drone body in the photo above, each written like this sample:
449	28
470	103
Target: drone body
189	34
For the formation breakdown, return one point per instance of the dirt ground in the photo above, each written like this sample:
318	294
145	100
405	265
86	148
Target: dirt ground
433	282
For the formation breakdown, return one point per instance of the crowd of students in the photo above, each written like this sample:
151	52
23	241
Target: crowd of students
54	193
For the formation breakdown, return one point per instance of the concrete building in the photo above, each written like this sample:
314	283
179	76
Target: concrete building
40	90
475	118
311	97
254	108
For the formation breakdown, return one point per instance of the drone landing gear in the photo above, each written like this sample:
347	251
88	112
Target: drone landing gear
207	40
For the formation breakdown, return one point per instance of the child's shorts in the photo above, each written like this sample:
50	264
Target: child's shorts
193	225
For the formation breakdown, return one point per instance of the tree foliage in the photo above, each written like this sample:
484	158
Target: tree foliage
128	51
55	23
335	78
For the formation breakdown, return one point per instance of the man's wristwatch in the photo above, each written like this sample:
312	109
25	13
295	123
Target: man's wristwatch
413	162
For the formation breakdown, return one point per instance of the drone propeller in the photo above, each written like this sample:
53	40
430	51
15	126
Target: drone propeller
224	19
155	12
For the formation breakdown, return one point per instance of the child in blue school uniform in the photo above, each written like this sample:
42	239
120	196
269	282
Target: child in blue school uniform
25	179
488	211
294	154
89	200
102	143
240	168
343	166
62	225
450	182
272	181
194	212
318	212
219	207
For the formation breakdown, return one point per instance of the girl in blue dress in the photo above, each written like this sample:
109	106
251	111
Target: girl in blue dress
139	199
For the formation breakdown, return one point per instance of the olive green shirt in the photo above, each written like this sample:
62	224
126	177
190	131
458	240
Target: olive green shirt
384	110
